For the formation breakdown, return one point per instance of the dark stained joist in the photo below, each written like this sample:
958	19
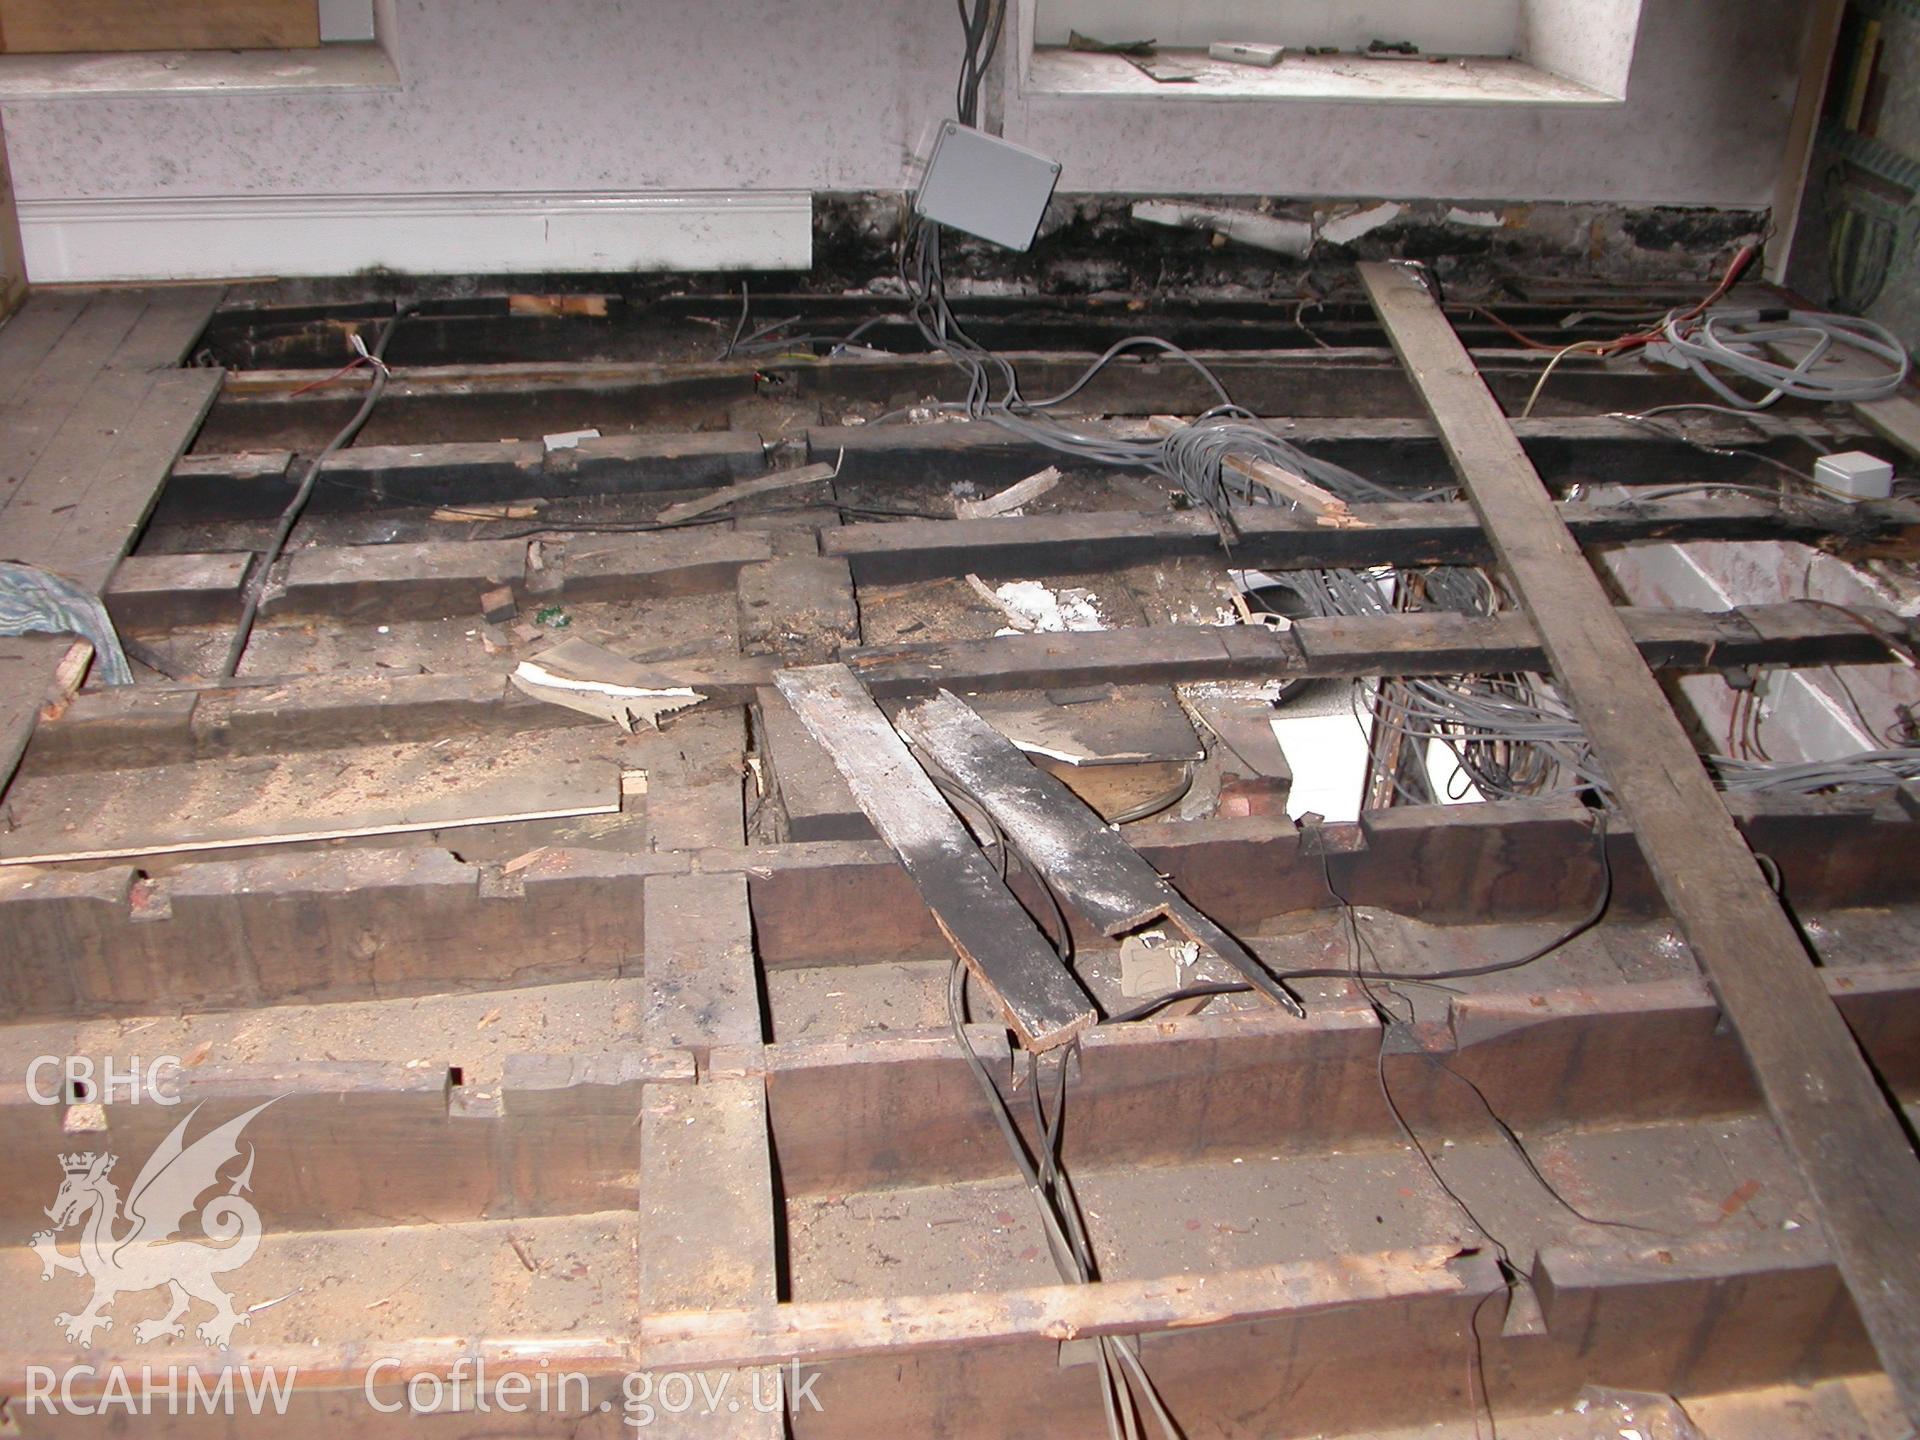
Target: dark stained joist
283	927
477	402
1403	453
1397	451
168	723
999	942
1423	643
255	484
1848	1143
1273	537
499	328
432	579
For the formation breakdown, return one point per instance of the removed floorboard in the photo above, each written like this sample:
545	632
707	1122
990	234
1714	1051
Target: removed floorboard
999	942
1099	874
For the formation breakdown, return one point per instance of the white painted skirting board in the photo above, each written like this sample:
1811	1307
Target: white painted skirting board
232	236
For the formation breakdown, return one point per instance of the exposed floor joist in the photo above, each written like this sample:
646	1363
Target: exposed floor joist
672	1088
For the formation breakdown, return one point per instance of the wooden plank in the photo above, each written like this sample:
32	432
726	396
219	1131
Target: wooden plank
434	579
812	791
1021	492
1100	875
800	607
1420	643
88	445
702	986
29	336
368	790
746	490
904	1324
60	380
240	929
706	1198
256	484
89	495
706	1239
44	27
1852	1150
1396	451
1897	418
1271	537
165	722
1819	36
1295	489
28	668
999	942
157	592
903	550
479	402
1568	1049
1403	453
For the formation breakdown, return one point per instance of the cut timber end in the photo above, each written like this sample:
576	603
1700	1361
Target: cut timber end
986	925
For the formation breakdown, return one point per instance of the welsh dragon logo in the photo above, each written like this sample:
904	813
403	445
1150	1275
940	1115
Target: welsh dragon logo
138	1246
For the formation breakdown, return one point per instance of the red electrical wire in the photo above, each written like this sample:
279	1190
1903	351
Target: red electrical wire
328	379
1635	339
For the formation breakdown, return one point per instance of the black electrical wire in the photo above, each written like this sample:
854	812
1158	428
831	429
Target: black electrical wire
257	586
1065	1233
1603	899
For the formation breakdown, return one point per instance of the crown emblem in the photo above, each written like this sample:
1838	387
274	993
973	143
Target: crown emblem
79	1164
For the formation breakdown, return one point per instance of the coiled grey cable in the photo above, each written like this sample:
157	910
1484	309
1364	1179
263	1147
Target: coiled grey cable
1736	341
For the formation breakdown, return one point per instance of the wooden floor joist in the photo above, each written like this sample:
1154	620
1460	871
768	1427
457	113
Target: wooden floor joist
1851	1148
476	402
1417	643
1275	538
667	1095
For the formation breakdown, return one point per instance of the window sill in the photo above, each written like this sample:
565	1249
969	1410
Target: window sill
198	72
1354	79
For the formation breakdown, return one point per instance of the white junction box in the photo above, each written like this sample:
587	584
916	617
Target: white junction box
1245	52
986	186
1855	475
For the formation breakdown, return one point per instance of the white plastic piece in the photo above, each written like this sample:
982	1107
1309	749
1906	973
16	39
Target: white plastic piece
1248	227
1855	475
1345	229
1246	52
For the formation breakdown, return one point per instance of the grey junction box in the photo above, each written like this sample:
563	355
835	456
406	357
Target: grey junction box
986	186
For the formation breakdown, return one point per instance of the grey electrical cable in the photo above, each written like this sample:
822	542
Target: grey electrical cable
1737	341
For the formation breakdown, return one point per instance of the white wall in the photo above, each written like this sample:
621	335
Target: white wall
1462	27
572	98
1703	123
